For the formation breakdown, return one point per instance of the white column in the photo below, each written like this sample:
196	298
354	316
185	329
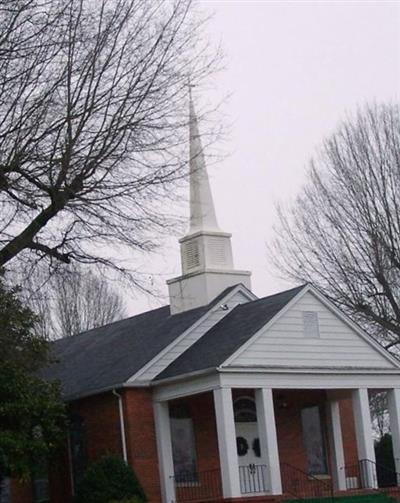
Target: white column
336	442
394	417
227	442
365	442
268	438
164	449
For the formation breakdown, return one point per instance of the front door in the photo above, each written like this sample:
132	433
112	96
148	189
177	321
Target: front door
251	469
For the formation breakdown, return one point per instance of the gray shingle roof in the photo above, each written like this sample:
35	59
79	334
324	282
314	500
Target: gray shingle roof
108	356
224	338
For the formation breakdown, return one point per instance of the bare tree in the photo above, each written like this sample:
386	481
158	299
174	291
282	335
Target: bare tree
83	301
343	231
378	405
73	301
93	116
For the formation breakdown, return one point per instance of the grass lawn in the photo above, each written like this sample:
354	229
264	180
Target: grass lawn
363	498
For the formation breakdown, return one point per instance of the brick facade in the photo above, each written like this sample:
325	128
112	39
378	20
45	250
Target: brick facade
102	424
141	440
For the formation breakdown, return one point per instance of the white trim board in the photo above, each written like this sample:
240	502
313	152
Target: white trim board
187	387
316	380
275	380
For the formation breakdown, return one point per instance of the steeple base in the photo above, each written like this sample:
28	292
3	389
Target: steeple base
199	288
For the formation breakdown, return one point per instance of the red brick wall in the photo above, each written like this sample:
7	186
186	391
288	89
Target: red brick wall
101	418
60	486
21	493
288	406
201	409
141	440
348	432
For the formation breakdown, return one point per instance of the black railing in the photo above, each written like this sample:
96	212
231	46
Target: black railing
253	479
366	474
205	485
303	485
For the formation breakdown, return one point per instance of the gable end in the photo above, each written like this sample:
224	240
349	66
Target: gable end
312	333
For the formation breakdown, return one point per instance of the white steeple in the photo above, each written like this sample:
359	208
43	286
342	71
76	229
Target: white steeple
206	251
202	211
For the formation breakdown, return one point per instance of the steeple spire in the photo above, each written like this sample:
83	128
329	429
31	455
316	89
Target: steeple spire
202	211
206	251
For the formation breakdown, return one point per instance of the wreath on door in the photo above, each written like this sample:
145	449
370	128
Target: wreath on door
242	446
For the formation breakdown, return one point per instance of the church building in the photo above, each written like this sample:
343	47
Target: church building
222	396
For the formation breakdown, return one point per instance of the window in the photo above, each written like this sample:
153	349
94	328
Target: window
245	410
313	440
183	444
77	445
310	324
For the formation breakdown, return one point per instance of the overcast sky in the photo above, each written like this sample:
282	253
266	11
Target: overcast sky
293	69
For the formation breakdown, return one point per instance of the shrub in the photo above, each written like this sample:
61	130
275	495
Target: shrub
110	480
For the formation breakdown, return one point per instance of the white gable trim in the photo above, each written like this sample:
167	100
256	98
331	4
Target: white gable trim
258	334
329	305
140	374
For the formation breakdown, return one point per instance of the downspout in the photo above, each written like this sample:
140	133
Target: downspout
122	425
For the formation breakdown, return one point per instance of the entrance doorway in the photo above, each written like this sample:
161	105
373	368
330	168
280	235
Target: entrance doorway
252	471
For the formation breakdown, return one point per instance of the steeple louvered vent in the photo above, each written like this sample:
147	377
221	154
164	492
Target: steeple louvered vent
191	255
217	248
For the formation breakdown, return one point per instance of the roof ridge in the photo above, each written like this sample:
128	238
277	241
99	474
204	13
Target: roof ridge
210	305
269	297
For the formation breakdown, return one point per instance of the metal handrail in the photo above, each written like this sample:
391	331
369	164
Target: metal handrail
304	485
207	485
370	475
204	485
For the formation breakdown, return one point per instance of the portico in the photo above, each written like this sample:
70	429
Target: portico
279	398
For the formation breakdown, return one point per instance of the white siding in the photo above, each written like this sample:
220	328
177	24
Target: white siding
191	336
284	343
